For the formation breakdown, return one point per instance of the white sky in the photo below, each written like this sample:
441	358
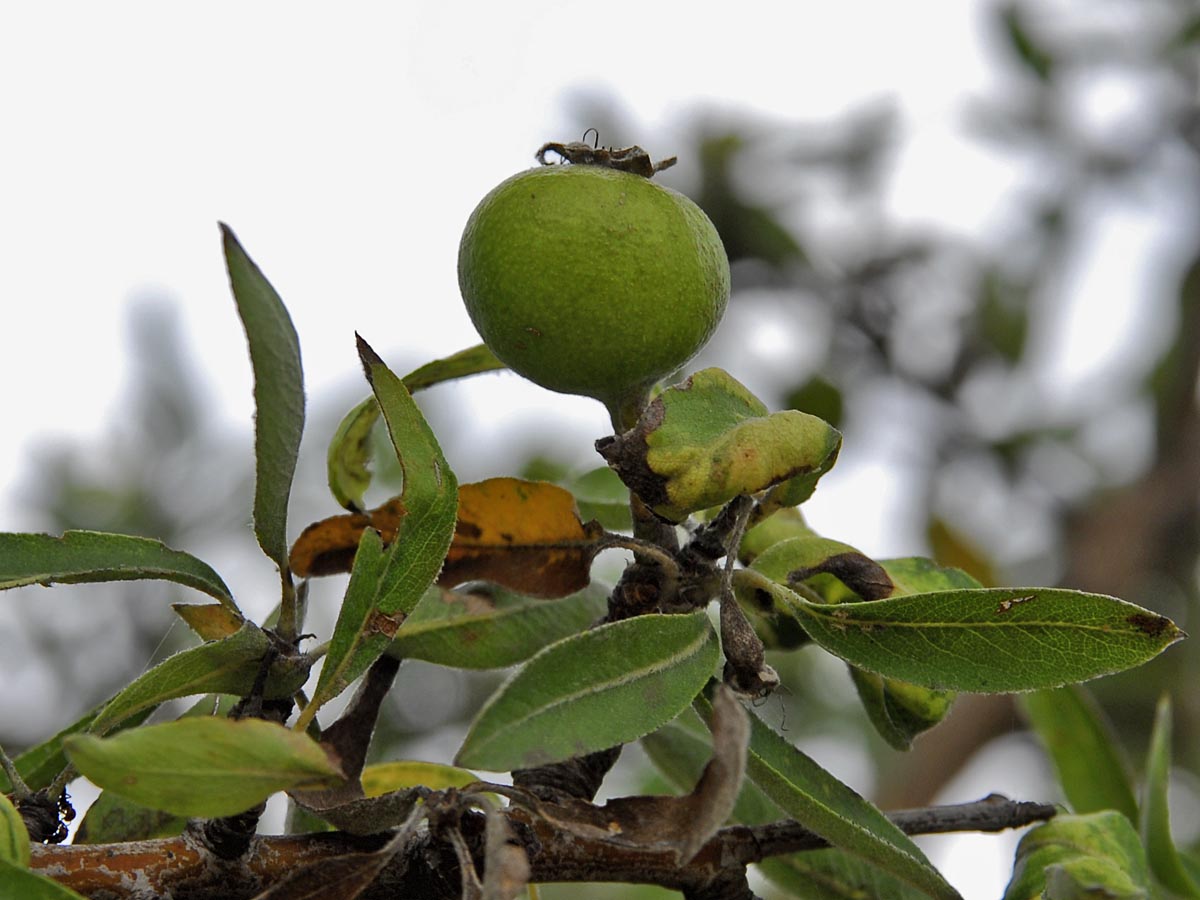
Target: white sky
347	149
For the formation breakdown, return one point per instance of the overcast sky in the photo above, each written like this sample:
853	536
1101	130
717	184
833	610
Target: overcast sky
347	145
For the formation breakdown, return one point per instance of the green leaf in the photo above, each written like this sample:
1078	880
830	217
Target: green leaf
834	875
387	589
1026	46
113	820
1084	748
682	748
349	455
994	640
205	767
593	690
1155	824
472	361
770	530
900	711
827	807
601	495
836	571
79	557
228	666
491	629
702	443
278	395
918	575
19	882
430	492
1097	856
348	460
14	836
358	606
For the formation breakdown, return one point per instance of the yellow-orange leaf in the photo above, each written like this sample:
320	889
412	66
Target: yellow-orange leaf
327	547
524	535
211	621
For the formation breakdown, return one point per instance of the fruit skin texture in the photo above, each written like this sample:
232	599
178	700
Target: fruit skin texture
588	280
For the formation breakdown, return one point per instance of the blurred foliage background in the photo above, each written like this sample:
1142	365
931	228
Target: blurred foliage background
929	347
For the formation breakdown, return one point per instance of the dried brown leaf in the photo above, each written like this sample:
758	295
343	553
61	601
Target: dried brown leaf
524	535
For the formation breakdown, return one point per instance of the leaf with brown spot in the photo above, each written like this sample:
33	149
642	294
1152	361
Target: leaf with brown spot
524	535
327	547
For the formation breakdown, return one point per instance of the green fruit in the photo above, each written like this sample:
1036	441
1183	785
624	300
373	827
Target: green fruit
589	280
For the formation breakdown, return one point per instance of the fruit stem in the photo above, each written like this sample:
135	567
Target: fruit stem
627	409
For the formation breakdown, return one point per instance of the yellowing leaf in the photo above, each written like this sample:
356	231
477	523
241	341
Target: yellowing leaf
701	443
14	837
383	778
525	535
211	621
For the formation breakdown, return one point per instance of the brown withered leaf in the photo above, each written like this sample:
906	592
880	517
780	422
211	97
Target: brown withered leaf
524	535
327	547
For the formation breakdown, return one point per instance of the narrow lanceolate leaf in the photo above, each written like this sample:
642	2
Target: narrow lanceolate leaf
348	459
87	556
702	443
366	623
391	582
491	629
524	535
821	803
607	686
995	640
227	666
1097	855
16	881
204	767
278	395
835	875
1084	748
14	836
430	492
1161	853
680	750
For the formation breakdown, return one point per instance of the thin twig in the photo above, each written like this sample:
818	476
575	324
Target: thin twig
611	540
20	790
993	813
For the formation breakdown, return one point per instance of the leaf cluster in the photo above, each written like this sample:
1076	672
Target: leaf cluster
498	574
